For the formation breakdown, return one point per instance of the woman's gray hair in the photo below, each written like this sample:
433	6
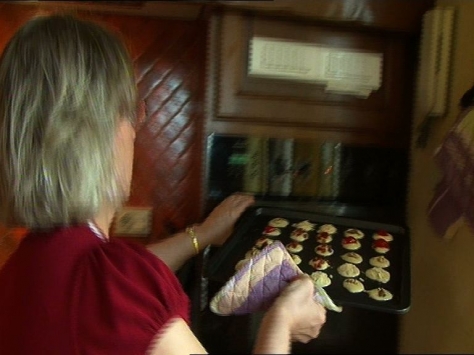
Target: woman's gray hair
65	84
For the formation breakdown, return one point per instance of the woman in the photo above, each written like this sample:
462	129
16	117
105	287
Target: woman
67	107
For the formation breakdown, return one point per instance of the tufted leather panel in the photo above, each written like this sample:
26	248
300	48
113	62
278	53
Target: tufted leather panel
169	63
169	57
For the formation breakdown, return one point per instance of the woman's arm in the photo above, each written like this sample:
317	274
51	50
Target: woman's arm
176	339
177	249
215	229
274	334
294	316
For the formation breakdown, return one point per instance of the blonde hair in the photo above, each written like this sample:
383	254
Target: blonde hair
65	84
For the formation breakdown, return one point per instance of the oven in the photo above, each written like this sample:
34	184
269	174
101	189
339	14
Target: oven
330	180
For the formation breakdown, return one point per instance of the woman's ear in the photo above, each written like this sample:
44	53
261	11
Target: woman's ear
124	151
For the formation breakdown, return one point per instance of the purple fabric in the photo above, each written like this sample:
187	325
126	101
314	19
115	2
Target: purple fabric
263	254
444	209
454	195
258	283
267	289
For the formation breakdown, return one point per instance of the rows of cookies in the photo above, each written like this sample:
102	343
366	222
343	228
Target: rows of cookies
298	235
322	261
379	263
323	250
350	271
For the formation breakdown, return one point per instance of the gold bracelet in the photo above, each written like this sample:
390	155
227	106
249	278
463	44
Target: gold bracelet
192	235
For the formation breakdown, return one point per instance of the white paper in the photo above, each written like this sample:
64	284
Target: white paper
284	59
341	70
353	68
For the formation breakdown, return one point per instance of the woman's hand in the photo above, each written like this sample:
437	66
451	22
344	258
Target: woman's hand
218	226
305	316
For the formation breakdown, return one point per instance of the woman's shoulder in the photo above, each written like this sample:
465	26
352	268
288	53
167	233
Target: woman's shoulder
107	297
120	263
134	261
124	295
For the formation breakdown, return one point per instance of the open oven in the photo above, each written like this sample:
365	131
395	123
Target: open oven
348	186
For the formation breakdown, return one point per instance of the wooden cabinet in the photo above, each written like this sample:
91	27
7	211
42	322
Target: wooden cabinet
241	104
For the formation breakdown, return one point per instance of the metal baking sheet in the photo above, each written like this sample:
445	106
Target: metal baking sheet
221	265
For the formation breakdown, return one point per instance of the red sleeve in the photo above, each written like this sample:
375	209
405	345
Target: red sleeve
123	297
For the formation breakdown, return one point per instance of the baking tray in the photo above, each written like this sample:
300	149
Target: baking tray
221	266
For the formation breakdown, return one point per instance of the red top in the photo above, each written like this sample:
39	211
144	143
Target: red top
69	292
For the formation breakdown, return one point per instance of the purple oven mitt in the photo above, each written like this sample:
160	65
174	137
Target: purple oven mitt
258	283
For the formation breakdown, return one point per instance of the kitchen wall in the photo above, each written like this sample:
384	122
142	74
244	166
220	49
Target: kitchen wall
441	318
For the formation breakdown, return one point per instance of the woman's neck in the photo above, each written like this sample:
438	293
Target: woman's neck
103	220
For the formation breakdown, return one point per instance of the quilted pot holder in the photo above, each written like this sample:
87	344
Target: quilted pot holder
255	286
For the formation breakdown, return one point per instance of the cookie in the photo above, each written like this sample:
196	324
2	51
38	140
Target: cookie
299	235
379	261
294	247
278	222
305	225
355	233
353	285
320	278
296	259
352	257
380	294
263	242
324	250
381	246
382	234
348	270
350	243
378	274
319	263
324	238
328	228
271	231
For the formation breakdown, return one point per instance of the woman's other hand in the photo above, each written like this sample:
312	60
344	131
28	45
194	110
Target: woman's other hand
218	226
296	304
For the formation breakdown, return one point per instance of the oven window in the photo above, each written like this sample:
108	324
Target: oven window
294	169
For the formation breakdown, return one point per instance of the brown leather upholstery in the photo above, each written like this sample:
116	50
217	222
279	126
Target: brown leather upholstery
169	61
